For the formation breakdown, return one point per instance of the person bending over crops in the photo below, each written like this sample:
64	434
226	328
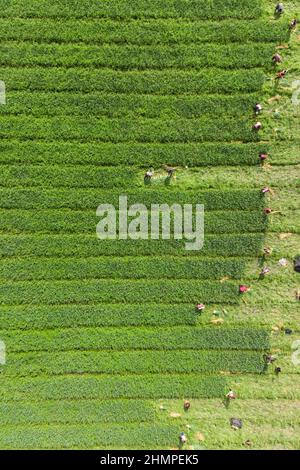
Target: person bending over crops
270	358
186	405
279	9
148	177
258	108
277	59
281	74
231	395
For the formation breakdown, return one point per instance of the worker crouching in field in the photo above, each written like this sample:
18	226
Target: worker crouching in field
277	59
243	289
148	177
279	9
258	108
236	423
264	272
281	74
231	395
270	358
182	439
200	307
268	211
257	126
297	264
267	251
186	405
170	172
263	157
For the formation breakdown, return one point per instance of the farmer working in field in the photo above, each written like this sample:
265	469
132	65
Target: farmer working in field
281	74
277	59
279	9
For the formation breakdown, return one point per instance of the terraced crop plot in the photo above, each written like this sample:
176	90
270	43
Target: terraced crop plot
102	337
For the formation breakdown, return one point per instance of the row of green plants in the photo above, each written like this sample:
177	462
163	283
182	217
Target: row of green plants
39	317
67	177
134	362
11	245
121	268
204	129
108	290
161	338
137	57
71	412
125	9
143	155
142	31
117	106
106	386
89	436
70	221
161	82
75	189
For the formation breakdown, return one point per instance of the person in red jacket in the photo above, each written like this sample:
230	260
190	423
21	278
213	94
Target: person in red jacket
281	74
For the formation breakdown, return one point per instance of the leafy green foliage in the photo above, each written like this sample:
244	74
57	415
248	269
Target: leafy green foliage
131	9
87	436
177	338
82	412
127	130
25	317
86	179
122	268
106	290
76	221
120	106
161	82
84	245
137	57
142	31
134	362
144	155
72	387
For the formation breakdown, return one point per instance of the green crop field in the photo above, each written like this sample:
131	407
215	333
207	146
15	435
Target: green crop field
100	340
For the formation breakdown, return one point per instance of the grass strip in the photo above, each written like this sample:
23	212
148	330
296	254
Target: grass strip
217	9
84	245
137	57
68	221
142	31
89	436
115	291
146	386
127	130
136	362
82	412
139	82
27	317
121	268
172	338
117	106
83	197
143	155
